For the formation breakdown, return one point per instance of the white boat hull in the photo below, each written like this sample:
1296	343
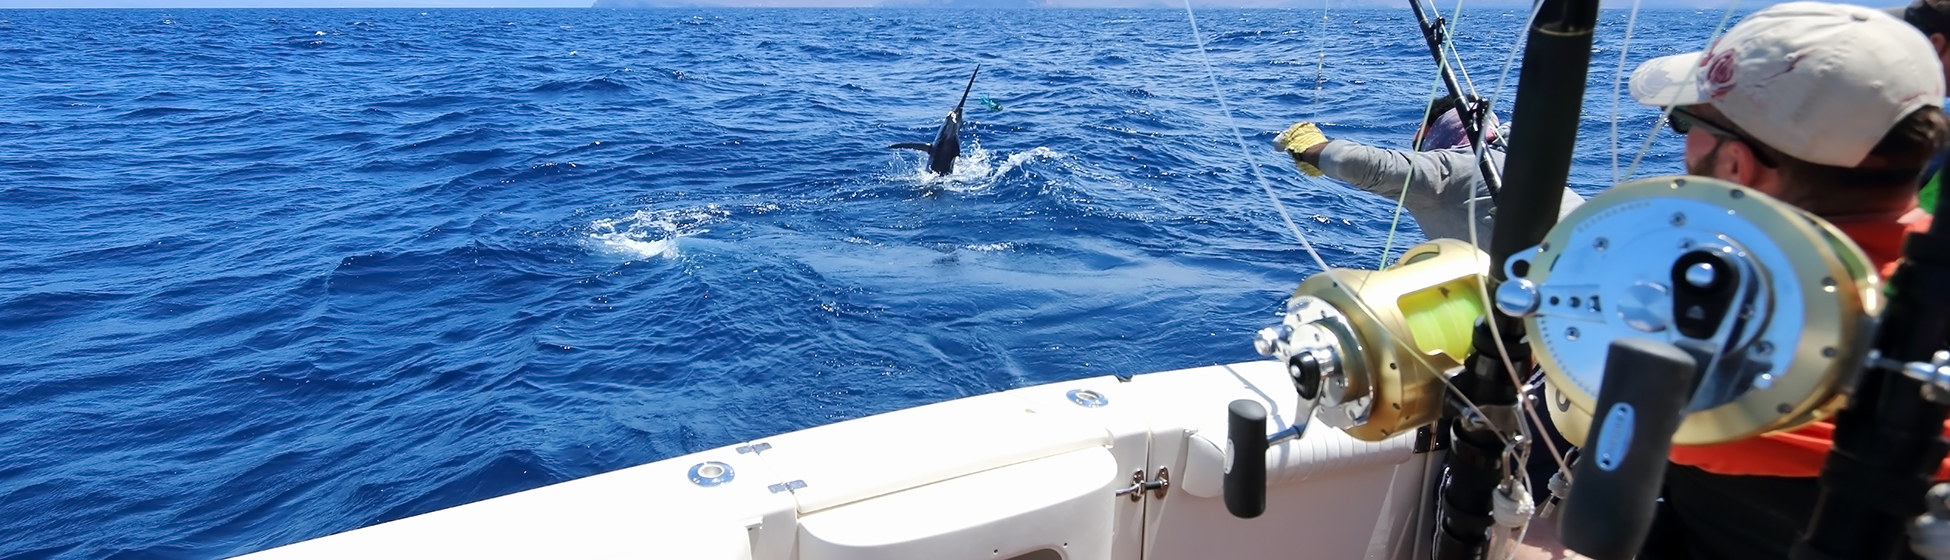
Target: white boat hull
1024	474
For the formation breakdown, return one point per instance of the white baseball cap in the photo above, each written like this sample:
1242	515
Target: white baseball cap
1821	82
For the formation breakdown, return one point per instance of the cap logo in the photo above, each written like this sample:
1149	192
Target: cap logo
1719	74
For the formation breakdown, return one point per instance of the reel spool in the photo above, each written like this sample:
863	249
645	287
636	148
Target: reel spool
1369	345
1776	305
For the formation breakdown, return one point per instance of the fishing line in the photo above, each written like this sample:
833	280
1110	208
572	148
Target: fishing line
1320	60
1226	110
1482	283
1448	48
1618	81
1246	155
1511	60
1401	200
1451	43
1666	112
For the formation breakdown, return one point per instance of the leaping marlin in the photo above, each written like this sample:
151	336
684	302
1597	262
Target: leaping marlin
947	143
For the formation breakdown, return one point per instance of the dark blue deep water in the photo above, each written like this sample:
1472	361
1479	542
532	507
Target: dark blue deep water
271	275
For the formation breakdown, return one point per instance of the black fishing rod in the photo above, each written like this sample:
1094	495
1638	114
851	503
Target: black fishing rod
1549	101
1471	110
1888	441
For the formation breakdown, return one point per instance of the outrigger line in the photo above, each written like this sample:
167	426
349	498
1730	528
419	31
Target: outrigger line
1470	108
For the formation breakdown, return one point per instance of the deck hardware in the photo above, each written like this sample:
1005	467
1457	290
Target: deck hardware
753	448
786	486
711	473
1088	399
1139	485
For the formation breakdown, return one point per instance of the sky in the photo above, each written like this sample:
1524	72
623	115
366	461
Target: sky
801	3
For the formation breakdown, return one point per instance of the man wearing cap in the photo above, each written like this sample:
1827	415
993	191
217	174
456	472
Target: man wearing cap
1441	174
1835	109
1932	17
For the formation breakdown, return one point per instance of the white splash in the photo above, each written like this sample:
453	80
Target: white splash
652	233
978	170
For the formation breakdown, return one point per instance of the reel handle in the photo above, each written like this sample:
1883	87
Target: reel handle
1245	474
1647	385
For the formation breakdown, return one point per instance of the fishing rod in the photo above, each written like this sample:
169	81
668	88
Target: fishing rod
1471	109
1550	95
1888	441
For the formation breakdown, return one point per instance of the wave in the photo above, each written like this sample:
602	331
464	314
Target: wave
652	233
596	85
154	112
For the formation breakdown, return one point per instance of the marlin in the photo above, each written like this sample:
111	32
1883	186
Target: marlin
947	143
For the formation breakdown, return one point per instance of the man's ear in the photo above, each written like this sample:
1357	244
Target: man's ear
1737	163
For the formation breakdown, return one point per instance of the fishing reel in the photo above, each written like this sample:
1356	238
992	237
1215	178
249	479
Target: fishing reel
1775	304
1683	310
1367	352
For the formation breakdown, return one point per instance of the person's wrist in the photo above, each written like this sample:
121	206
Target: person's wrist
1311	155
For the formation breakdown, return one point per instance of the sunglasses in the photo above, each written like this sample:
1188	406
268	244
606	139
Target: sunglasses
1683	121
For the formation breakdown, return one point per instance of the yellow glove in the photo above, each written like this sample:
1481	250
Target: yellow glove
1297	139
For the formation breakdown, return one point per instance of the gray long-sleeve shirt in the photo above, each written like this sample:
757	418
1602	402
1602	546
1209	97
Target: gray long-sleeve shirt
1438	195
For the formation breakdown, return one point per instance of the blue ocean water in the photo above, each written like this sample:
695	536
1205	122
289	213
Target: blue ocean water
268	275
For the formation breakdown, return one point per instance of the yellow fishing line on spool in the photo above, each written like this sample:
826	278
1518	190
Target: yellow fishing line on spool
1443	317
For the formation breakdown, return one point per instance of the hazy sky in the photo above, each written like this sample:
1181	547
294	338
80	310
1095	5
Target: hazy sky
808	3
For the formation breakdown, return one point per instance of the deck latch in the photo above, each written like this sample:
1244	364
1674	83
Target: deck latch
1139	485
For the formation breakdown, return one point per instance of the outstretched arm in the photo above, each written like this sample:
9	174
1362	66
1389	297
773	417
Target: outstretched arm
1431	178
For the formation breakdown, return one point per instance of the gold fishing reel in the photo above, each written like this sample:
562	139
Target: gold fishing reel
1776	305
1367	347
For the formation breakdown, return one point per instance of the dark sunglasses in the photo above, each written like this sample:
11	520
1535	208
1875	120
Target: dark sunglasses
1683	121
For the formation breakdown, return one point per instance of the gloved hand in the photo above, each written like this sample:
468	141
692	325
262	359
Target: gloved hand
1297	139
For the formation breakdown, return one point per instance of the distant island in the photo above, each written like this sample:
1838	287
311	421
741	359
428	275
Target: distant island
830	3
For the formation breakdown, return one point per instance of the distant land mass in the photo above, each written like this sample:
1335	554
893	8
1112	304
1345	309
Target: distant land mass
1169	4
868	3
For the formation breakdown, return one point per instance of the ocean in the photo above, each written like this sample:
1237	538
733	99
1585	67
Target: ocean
269	275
